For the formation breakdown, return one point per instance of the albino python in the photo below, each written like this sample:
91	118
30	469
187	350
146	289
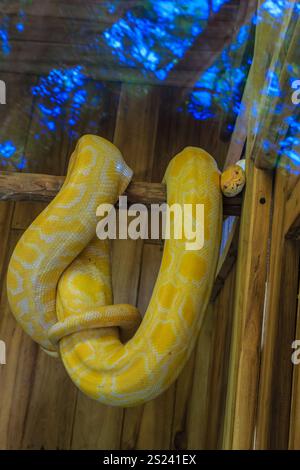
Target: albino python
59	278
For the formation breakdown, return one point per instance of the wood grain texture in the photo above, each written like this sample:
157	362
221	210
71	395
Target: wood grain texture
292	213
219	365
149	426
249	305
43	188
20	352
227	260
10	113
274	398
282	361
6	213
294	431
198	411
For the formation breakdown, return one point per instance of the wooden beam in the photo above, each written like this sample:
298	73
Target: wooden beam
43	188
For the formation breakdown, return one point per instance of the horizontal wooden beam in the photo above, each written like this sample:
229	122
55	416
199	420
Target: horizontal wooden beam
43	188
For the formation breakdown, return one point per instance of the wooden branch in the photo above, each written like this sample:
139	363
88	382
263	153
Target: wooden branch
43	188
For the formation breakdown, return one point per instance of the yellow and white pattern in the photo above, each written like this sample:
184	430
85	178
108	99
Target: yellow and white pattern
59	279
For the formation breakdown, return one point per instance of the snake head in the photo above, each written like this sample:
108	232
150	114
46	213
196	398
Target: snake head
233	180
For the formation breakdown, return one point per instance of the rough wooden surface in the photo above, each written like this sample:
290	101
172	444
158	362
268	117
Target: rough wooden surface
219	363
227	259
248	315
292	213
294	431
274	398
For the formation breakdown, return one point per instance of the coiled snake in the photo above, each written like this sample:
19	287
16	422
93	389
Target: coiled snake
59	279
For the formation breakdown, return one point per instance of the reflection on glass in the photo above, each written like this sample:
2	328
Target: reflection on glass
154	38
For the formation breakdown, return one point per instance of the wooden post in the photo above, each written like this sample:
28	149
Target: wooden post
274	398
294	432
248	312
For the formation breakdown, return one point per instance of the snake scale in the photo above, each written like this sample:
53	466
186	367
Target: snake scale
59	278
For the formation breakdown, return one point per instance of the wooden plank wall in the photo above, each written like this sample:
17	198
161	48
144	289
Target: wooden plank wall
278	395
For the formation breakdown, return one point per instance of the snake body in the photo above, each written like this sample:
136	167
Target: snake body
59	279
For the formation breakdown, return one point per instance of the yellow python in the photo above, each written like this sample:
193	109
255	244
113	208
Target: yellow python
59	279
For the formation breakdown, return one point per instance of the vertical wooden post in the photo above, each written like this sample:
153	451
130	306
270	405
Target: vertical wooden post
274	398
248	311
294	434
292	226
219	364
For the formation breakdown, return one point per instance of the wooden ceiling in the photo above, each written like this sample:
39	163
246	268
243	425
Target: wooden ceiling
65	32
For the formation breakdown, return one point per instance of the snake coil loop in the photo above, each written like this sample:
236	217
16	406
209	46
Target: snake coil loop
122	316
